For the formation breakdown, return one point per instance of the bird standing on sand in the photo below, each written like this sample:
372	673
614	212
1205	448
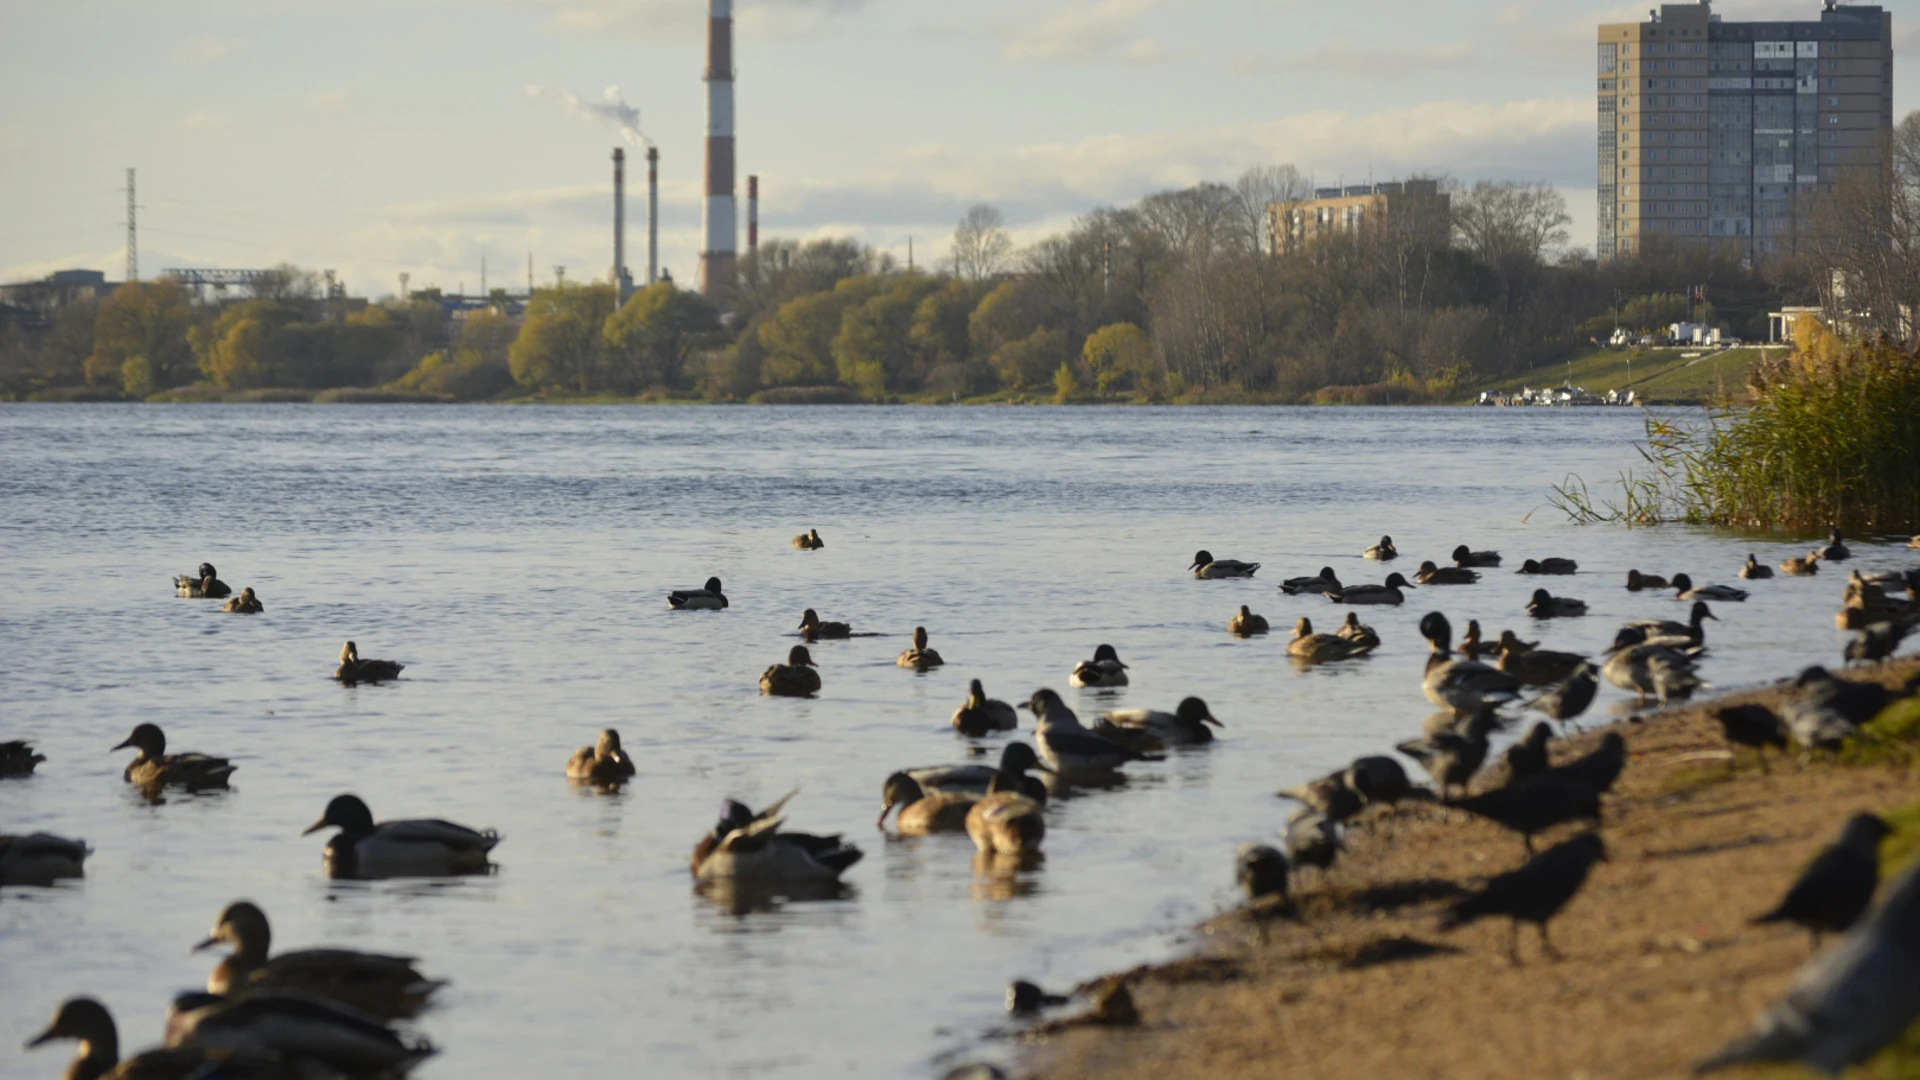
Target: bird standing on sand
1536	804
1261	871
1751	725
1528	757
1568	700
1313	839
1246	624
1599	768
1834	890
1874	643
1207	568
1534	893
1452	757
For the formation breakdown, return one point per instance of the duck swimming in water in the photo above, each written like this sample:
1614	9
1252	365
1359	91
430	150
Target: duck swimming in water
795	678
1683	589
88	1022
1754	570
1006	822
1638	582
1429	574
813	629
980	715
1383	551
1246	624
1358	632
1105	669
311	1034
1147	730
153	767
385	986
1540	667
1206	567
1464	556
206	585
1015	759
1668	632
352	669
809	541
750	847
1549	566
1799	565
419	847
708	597
18	759
602	763
1318	648
1468	687
1389	593
919	658
924	811
1836	549
244	604
1545	605
1068	747
41	859
1322	582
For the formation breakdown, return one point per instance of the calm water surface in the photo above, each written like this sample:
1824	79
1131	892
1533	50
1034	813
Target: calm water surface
515	560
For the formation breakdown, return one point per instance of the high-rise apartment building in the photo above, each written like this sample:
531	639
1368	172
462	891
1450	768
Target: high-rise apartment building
1716	132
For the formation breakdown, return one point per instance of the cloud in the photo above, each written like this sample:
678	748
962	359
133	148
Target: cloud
13	139
1372	63
203	120
1106	30
330	100
686	20
612	108
207	50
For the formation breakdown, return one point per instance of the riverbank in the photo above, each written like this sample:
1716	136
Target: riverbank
1656	376
1662	965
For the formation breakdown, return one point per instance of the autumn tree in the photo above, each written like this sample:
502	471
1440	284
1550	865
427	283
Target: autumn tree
140	339
982	247
560	344
873	352
650	339
1120	357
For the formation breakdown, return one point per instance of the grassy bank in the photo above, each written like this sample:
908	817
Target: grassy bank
1662	965
1659	376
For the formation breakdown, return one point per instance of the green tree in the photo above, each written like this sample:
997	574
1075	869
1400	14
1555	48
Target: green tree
872	352
1030	361
1006	317
149	320
560	344
1065	385
938	334
236	353
798	338
650	339
1120	357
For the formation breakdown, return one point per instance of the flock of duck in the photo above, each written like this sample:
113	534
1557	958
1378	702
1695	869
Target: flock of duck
328	1012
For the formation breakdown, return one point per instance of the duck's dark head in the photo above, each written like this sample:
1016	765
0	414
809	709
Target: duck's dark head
346	813
1627	638
1435	628
1018	757
919	637
734	815
1428	567
809	618
146	738
1386	541
798	656
1395	581
242	925
1327	574
84	1019
1194	711
1865	831
1542	598
1681	583
1833	536
1201	558
207	571
712	585
608	745
899	790
1702	611
1107	652
976	692
1041	701
1462	553
1531	566
1302	627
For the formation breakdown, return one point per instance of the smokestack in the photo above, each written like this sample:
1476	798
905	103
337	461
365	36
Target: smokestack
753	214
653	214
720	218
621	282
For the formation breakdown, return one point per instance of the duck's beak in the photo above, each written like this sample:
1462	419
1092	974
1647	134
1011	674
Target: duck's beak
315	827
123	745
1210	719
1027	705
1041	766
881	822
207	944
43	1038
1712	616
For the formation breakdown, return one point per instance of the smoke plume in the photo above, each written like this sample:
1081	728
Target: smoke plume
611	108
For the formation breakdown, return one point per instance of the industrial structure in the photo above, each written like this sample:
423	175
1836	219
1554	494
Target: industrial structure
653	214
753	214
1418	205
622	281
1729	133
719	218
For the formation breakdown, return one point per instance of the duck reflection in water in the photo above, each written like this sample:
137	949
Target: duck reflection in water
744	896
1002	877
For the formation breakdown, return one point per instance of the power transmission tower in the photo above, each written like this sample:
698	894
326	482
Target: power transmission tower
133	239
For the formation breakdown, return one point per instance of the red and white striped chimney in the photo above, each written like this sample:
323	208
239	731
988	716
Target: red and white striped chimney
720	228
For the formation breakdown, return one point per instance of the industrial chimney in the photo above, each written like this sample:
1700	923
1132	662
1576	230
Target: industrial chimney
653	214
720	219
622	281
753	214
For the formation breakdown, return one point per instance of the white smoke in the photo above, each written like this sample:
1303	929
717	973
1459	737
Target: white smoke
611	108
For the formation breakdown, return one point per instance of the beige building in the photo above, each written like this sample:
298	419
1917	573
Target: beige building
1725	132
1418	204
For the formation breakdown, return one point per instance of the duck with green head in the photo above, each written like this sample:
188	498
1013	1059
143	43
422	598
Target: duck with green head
385	986
418	847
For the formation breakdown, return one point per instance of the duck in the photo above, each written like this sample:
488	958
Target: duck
1549	566
88	1022
1246	624
1568	700
1206	567
1468	687
1651	670
1105	669
1540	667
41	859
1066	745
1358	632
1452	757
602	763
17	758
708	597
244	604
1323	582
1638	582
1754	570
980	715
1545	605
418	847
1463	556
1316	648
1389	593
795	678
809	541
922	811
748	846
1799	565
205	585
1006	823
1149	729
352	669
813	629
919	658
1472	646
1836	549
1383	551
1683	589
1430	574
153	767
1016	758
311	1034
1692	632
1510	642
385	986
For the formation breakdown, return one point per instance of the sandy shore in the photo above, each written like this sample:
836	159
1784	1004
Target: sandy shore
1661	965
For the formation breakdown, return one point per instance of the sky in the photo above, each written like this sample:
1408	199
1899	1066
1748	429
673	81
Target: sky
381	137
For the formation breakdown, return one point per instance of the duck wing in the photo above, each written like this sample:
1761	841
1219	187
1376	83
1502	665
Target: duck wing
436	831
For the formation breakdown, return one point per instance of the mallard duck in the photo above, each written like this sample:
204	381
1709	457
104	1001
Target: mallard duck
1147	730
980	714
18	759
41	859
153	767
809	541
919	658
386	986
1545	605
1549	566
1006	823
749	846
1865	593
1468	687
1313	839
87	1021
1836	549
1452	757
1015	759
1692	632
1322	582
1105	669
1358	632
1205	566
352	669
1473	646
1246	624
1389	593
419	847
1383	551
1068	747
795	678
244	604
1683	589
923	811
1638	582
1754	571
206	585
1798	565
1568	700
1540	667
1510	642
602	763
1307	645
1654	670
813	629
706	598
1463	556
1430	574
310	1033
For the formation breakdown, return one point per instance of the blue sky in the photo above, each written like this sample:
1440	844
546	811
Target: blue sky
407	135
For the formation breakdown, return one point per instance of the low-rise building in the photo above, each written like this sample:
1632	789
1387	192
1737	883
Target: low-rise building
1418	205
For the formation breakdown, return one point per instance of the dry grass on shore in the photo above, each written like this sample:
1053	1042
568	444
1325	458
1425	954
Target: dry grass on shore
1662	965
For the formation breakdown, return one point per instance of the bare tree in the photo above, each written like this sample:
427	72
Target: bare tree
1510	222
1266	194
1865	233
981	245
